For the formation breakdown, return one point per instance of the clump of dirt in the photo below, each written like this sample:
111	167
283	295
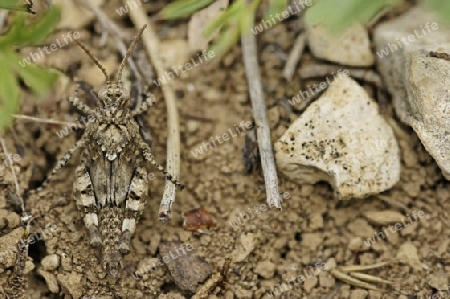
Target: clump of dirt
268	248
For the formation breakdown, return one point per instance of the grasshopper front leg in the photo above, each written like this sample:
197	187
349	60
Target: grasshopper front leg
60	164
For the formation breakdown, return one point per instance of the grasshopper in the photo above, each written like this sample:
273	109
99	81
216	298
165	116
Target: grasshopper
111	186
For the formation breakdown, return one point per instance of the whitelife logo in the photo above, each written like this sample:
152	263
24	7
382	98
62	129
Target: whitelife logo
391	48
265	24
397	227
207	146
49	49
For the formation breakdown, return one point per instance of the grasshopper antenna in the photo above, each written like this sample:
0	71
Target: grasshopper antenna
127	55
93	59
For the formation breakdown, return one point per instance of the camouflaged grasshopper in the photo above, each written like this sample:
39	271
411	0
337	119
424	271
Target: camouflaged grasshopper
111	186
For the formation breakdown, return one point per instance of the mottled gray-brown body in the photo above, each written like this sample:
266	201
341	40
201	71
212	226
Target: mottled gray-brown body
111	186
111	183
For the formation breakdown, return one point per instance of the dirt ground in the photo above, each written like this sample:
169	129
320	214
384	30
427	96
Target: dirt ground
267	250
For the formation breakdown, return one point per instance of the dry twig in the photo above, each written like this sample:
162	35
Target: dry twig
46	121
350	274
323	70
248	42
294	56
151	44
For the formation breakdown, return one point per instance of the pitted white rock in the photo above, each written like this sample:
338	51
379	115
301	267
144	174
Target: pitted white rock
341	139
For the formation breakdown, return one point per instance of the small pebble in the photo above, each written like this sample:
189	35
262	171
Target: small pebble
359	294
266	269
50	262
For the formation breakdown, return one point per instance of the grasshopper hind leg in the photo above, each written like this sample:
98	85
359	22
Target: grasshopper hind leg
84	195
135	203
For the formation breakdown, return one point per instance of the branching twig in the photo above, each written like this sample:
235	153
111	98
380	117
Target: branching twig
151	43
260	116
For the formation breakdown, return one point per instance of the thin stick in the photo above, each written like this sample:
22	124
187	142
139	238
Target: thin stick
368	278
249	51
151	44
46	121
294	56
351	280
93	59
323	70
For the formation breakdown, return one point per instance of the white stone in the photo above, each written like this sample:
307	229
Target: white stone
343	140
419	84
351	47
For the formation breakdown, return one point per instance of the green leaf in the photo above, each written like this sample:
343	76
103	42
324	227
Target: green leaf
277	6
236	19
37	79
248	18
6	4
13	5
441	7
226	41
22	34
13	66
233	12
183	8
9	38
9	97
39	30
339	17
